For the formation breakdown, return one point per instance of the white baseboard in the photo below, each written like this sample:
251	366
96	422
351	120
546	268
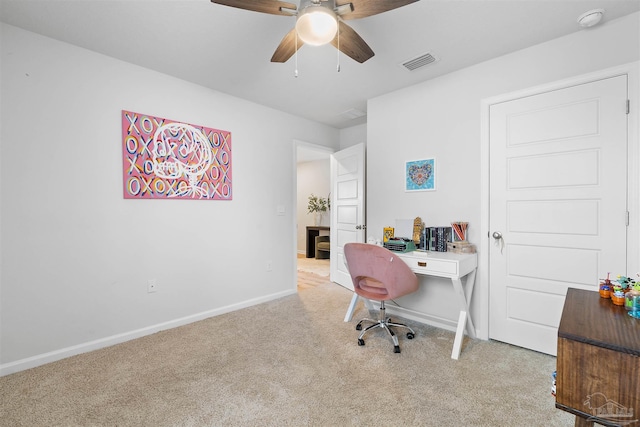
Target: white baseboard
52	356
427	319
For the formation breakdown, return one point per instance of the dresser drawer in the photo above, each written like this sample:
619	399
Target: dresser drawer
431	266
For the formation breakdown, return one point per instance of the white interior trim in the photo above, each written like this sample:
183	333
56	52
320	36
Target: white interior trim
294	198
63	353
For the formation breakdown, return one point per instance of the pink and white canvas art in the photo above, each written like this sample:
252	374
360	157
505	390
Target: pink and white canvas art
165	159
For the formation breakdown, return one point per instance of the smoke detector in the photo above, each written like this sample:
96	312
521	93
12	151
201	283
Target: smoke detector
590	18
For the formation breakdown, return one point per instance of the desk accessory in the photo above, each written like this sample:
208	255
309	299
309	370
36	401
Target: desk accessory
400	244
418	226
459	230
458	243
605	287
387	233
620	288
632	302
461	247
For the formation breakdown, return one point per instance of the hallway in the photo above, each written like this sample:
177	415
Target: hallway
312	272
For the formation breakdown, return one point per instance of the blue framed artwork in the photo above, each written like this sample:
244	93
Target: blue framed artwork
420	175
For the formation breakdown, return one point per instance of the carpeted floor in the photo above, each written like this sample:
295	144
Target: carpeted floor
289	362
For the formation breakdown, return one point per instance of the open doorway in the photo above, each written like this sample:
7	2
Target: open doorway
313	179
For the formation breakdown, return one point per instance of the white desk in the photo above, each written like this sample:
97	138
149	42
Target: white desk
448	265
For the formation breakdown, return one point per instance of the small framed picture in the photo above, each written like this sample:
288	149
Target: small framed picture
420	175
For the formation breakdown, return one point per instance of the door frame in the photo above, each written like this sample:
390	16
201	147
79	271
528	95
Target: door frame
294	198
633	175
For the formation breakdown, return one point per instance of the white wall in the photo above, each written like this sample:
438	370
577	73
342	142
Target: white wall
76	256
441	118
313	178
353	135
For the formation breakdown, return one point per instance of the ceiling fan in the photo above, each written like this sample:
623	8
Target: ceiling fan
319	22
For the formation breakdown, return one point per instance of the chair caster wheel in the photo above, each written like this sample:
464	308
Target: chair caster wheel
396	349
410	335
358	327
360	341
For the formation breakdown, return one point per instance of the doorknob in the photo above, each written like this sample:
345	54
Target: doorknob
497	236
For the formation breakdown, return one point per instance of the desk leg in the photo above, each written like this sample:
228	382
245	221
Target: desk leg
469	283
457	342
464	305
352	307
464	319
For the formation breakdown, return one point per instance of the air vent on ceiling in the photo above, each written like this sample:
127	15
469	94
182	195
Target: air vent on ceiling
352	114
419	61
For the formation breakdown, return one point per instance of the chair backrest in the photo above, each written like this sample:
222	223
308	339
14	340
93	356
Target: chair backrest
377	273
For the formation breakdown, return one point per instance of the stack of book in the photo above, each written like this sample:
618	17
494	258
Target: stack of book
435	238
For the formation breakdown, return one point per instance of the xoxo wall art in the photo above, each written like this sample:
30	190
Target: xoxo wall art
165	159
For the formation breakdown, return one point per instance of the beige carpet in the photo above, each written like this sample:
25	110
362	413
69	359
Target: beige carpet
290	362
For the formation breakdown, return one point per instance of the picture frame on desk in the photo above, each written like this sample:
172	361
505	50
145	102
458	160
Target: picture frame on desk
388	233
420	175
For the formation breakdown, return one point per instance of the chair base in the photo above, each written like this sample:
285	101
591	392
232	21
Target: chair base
385	323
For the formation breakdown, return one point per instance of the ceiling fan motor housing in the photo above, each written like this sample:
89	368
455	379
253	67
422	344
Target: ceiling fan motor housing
325	3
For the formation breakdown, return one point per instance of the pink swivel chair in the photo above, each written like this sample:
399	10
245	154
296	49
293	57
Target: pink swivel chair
379	275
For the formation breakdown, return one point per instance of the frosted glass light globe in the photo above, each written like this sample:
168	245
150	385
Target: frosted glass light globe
317	25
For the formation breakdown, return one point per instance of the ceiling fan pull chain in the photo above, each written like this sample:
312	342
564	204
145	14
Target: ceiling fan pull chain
295	72
338	49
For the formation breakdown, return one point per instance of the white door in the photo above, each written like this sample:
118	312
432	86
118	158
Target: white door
347	207
558	214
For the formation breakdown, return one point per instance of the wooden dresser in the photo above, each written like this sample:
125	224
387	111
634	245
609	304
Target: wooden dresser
598	364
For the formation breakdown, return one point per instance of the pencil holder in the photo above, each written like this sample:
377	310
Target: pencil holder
459	231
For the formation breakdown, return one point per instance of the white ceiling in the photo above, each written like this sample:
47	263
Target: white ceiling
229	49
308	154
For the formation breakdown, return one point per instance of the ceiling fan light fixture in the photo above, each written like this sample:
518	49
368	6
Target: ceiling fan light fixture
317	25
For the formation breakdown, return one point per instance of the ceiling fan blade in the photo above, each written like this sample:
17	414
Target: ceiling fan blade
351	44
273	7
287	47
364	8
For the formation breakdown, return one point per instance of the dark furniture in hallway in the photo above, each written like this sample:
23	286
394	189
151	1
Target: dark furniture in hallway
312	233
